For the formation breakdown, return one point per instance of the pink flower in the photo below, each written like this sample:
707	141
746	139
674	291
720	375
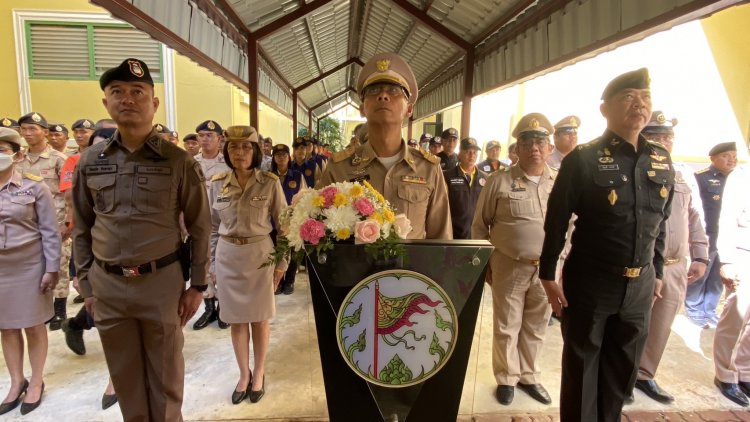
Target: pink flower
366	231
312	231
364	206
402	226
328	193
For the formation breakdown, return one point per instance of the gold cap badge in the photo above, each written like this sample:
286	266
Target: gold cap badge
574	121
6	122
135	68
37	118
58	129
534	123
383	65
661	119
210	125
159	128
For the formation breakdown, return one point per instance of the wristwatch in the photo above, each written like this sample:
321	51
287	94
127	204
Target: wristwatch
701	260
199	287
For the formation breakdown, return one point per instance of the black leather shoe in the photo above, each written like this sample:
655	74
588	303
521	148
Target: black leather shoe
29	407
61	314
289	289
238	396
255	396
504	394
537	392
745	387
7	407
652	389
732	392
78	299
629	399
108	400
74	338
278	291
209	315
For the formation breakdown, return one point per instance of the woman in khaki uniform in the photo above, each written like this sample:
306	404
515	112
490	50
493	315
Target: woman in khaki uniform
28	232
243	203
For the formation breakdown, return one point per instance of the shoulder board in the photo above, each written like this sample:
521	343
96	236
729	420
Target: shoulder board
429	157
270	175
33	177
587	145
701	171
222	175
342	155
657	144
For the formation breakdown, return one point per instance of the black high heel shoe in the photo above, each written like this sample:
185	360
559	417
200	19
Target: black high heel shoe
255	396
29	407
7	407
238	396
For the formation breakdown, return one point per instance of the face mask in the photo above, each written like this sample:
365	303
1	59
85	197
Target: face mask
6	160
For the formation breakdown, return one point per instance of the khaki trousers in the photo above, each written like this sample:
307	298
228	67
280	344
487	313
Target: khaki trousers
732	337
520	316
663	314
62	288
142	340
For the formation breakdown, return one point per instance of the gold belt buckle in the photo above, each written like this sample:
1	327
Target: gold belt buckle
670	261
632	272
131	272
534	262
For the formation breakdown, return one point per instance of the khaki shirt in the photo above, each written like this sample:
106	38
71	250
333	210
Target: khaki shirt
127	206
27	214
414	185
211	167
510	212
685	234
244	213
734	221
49	166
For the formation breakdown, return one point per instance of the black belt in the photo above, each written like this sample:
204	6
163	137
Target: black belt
629	272
139	270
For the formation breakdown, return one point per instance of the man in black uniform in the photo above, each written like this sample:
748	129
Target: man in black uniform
465	182
492	163
703	295
448	157
620	187
435	145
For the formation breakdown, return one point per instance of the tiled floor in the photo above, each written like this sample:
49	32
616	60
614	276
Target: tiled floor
294	385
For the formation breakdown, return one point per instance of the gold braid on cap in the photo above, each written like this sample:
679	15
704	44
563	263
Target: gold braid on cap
241	133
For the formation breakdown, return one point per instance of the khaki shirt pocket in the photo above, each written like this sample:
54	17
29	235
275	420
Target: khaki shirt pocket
514	204
413	202
102	191
22	207
258	210
154	194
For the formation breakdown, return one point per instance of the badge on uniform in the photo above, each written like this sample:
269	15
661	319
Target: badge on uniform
482	181
658	157
27	192
223	199
716	197
259	198
663	192
308	172
360	178
612	197
356	160
292	184
517	186
606	160
414	179
651	173
102	169
606	167
487	168
660	166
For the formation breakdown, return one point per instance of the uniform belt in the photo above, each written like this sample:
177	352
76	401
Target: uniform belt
534	262
670	261
629	272
243	240
139	270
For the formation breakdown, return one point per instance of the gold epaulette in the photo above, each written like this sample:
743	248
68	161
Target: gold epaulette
434	159
586	145
657	144
701	171
219	176
270	175
33	177
342	155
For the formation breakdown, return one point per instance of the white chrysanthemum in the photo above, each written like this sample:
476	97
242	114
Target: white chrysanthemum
385	229
338	218
304	207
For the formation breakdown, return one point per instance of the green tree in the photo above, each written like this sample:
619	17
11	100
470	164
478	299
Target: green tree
330	133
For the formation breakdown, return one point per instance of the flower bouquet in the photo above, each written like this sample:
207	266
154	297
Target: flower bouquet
336	213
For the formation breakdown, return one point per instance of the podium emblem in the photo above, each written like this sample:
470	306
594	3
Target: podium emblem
396	328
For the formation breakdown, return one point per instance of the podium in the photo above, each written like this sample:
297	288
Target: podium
363	391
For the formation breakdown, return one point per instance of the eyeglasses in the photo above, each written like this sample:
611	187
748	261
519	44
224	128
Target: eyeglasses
529	142
390	89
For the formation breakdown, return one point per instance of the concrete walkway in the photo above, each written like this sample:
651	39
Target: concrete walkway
294	381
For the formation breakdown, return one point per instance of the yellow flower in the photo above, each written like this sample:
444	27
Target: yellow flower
340	200
378	196
356	191
389	215
318	201
377	217
343	234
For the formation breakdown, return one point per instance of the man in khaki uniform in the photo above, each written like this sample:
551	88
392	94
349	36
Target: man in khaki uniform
411	180
58	137
128	193
685	260
566	138
42	160
510	214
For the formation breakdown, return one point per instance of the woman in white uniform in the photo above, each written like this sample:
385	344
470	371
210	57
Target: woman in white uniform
244	201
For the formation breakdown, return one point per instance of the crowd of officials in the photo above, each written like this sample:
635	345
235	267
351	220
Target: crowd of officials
611	233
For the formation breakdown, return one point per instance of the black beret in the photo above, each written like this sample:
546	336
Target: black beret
412	142
33	118
190	137
636	79
450	132
279	148
130	70
6	122
209	125
83	124
301	141
425	137
722	147
56	127
436	141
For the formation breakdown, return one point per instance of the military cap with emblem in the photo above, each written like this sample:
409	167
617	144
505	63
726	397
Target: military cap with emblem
83	124
469	143
130	70
57	128
436	141
660	124
491	144
388	68
535	125
160	128
174	133
636	79
301	141
568	124
412	142
33	118
209	125
190	137
6	122
241	133
10	135
723	147
279	148
425	137
451	132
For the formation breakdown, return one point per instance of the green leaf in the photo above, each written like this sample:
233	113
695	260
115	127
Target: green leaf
352	319
357	346
441	323
436	348
395	372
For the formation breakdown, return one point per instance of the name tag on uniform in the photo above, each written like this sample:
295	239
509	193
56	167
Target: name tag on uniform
414	179
23	193
223	199
153	170
104	169
259	198
46	173
660	166
606	167
457	181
